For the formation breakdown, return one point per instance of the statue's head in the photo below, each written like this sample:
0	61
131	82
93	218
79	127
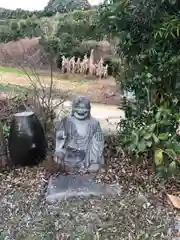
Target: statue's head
81	108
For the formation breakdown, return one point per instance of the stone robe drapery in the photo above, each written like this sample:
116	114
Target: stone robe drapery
91	143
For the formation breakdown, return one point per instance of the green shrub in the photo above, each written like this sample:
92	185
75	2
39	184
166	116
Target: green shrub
113	64
148	34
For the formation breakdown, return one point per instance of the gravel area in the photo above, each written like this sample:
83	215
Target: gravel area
25	215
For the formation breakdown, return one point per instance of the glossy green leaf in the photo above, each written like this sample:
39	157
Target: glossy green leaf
175	146
158	116
164	122
158	157
135	137
171	153
151	127
160	171
155	138
141	146
163	136
148	143
149	75
178	30
177	116
147	136
172	166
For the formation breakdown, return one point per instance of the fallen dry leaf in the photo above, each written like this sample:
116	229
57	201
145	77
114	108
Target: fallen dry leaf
177	193
174	200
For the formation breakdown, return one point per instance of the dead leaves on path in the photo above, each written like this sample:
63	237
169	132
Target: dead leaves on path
174	200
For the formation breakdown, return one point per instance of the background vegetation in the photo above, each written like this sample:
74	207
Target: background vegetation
63	25
52	8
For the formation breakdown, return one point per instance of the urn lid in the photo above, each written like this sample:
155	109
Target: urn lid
24	114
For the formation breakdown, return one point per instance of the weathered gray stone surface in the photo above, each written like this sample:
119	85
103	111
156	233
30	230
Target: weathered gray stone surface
65	186
79	139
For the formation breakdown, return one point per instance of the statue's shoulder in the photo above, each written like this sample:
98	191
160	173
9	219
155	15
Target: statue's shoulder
66	118
63	123
94	122
68	121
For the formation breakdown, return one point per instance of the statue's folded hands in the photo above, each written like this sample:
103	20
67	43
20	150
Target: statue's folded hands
61	135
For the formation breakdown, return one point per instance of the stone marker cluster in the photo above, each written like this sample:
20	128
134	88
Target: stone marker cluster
87	66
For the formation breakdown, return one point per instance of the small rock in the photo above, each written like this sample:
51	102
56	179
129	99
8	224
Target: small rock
110	94
141	200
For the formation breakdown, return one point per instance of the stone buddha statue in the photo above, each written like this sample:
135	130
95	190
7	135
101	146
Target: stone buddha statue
79	139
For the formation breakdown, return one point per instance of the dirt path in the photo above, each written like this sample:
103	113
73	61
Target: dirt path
99	91
102	93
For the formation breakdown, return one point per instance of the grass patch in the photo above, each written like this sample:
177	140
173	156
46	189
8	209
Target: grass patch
14	70
13	88
57	76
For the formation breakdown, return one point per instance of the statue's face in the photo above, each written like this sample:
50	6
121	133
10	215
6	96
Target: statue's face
81	108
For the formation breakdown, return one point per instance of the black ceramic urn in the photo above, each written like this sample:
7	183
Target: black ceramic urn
27	142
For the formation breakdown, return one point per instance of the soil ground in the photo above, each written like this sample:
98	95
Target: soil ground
103	93
25	215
